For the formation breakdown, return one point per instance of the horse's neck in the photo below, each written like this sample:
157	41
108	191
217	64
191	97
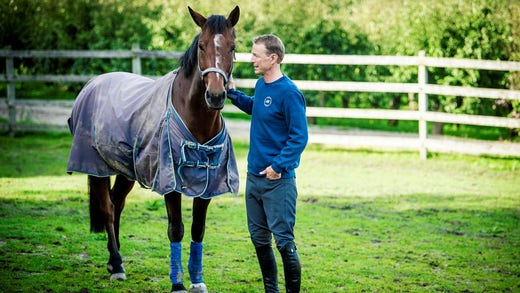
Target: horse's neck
188	100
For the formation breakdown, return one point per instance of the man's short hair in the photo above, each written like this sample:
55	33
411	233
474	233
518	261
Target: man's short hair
273	44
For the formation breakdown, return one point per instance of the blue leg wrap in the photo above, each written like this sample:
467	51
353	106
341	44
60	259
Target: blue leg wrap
195	263
176	271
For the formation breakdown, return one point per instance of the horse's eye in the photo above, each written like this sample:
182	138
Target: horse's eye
233	48
201	47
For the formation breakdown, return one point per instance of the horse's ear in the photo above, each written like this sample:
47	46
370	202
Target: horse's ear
234	16
197	17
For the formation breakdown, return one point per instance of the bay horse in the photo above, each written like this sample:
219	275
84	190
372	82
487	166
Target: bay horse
167	134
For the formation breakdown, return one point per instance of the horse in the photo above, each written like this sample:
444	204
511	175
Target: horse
168	135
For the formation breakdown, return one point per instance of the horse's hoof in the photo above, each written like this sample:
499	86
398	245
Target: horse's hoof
118	277
198	288
178	288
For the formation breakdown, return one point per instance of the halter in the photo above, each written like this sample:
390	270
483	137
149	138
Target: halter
216	70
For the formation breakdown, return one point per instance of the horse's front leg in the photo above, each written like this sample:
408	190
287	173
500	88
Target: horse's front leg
175	235
198	228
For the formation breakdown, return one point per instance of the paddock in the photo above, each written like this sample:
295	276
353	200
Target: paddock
367	221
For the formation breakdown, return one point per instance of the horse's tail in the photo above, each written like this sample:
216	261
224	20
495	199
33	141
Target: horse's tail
97	221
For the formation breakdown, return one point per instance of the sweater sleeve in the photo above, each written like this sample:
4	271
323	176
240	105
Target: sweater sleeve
241	100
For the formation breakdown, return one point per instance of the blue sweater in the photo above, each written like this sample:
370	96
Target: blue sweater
278	133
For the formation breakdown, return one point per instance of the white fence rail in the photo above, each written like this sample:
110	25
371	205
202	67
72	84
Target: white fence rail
422	142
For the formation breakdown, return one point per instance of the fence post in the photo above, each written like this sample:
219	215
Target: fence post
423	106
11	98
136	60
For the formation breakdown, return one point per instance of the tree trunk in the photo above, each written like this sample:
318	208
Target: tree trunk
395	103
437	127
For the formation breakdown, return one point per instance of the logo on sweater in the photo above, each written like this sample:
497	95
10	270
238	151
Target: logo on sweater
268	101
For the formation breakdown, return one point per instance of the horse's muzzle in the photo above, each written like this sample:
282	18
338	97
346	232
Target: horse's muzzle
215	101
215	98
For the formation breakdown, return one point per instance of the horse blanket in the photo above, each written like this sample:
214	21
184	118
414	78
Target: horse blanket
124	123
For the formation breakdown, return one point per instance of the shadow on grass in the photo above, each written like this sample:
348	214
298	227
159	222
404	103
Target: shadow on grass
31	154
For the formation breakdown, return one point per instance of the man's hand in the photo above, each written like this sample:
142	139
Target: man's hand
271	174
231	82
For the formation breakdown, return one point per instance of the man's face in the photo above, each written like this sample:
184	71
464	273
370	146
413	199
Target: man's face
262	62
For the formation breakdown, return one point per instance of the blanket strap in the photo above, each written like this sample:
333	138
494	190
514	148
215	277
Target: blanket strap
202	164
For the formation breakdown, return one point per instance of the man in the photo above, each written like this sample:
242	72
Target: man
278	137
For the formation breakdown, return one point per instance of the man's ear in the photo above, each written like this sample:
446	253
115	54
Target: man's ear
274	58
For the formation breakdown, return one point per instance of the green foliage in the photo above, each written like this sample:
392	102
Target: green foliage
85	24
476	35
462	29
79	25
329	37
478	29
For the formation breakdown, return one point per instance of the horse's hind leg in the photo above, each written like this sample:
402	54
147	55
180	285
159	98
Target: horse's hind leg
198	228
120	190
102	210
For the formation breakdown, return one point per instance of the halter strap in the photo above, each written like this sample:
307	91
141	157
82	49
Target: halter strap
216	70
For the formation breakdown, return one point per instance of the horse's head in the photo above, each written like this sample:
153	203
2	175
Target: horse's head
216	53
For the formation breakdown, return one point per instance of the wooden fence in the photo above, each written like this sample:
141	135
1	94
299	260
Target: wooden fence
423	143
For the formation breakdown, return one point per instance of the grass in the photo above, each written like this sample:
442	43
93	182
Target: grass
367	221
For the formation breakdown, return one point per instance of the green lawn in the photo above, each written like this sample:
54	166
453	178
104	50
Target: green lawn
367	221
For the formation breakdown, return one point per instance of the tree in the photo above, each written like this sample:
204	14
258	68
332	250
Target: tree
464	29
329	37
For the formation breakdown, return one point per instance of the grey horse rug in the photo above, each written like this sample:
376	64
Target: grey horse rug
126	124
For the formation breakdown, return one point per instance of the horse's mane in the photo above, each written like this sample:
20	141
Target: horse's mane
188	60
216	24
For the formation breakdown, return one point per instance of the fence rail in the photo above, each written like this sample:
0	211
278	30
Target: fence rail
421	88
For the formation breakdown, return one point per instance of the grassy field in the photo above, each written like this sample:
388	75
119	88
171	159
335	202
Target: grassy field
367	221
